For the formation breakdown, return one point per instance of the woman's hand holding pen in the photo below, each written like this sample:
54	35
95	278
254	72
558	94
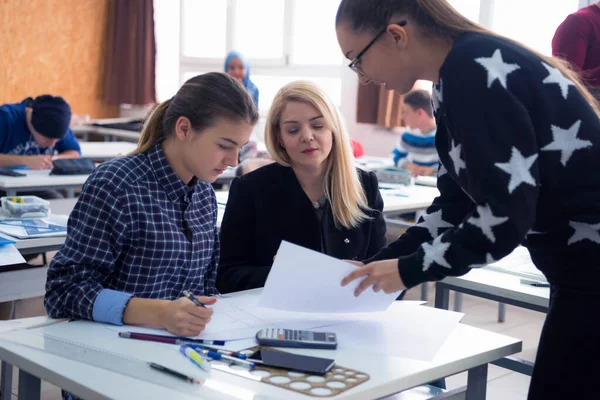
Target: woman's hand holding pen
382	275
182	317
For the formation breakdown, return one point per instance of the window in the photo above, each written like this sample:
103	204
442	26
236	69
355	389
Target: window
258	28
283	40
523	25
314	39
204	28
468	8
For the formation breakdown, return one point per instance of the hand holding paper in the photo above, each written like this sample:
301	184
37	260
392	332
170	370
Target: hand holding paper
303	280
382	275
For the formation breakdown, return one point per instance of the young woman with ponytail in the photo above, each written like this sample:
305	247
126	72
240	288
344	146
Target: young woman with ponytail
517	132
144	228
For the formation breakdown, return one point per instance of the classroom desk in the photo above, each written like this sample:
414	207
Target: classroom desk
466	349
416	198
40	180
109	133
498	286
103	151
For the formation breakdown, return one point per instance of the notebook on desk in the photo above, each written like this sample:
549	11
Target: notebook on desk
33	228
518	263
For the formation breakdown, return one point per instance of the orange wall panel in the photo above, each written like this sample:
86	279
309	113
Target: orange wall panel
55	47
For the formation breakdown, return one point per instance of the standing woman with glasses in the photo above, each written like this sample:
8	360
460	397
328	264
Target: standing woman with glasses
515	130
144	228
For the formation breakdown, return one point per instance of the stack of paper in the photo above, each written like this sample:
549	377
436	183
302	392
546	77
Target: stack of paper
9	255
518	263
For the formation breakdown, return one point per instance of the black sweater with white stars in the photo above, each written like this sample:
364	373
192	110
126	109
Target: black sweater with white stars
520	164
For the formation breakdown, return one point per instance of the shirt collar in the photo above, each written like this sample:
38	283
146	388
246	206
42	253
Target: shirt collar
166	176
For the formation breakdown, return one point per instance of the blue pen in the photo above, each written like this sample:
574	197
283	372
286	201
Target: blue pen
234	360
220	351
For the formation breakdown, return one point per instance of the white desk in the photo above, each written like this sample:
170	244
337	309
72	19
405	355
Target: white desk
466	349
108	133
415	198
105	150
373	162
497	286
40	180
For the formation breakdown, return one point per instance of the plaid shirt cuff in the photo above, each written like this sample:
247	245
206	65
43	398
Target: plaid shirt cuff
110	305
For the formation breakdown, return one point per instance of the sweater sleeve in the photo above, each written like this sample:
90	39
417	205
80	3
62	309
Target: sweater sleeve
492	151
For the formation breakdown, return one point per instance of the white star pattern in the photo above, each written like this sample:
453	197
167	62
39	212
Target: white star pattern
497	68
488	260
442	170
486	221
584	231
566	141
518	168
455	156
433	223
436	97
434	253
557	77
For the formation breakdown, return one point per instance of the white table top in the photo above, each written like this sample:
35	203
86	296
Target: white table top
41	179
467	347
119	133
501	284
105	150
416	198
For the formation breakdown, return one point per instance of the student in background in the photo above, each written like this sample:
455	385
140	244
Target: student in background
515	131
415	150
237	66
144	228
577	40
312	196
30	132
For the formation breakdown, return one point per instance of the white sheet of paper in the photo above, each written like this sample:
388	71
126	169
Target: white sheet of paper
303	280
9	255
238	318
416	332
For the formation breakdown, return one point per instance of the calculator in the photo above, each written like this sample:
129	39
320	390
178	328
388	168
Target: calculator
297	338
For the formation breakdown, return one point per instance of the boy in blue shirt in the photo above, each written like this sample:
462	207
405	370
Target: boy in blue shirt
415	150
31	131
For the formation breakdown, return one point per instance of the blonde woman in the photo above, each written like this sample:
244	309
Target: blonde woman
312	195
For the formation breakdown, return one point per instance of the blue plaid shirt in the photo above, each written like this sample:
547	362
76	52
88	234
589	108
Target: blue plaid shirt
128	236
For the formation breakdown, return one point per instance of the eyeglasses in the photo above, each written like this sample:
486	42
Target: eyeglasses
355	64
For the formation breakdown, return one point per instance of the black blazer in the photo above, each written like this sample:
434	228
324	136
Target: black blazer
268	205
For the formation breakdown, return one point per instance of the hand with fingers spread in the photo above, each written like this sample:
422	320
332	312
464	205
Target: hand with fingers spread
382	275
182	317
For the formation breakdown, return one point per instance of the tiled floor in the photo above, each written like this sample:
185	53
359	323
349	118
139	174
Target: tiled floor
502	384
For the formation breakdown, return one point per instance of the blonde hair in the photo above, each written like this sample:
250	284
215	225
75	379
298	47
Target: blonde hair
342	185
438	18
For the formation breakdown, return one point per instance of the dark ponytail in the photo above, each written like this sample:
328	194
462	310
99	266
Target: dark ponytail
202	99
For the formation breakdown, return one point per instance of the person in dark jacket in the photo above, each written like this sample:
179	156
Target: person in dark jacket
312	196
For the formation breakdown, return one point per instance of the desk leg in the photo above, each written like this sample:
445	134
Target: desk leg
424	290
29	386
442	297
458	297
476	383
501	312
6	381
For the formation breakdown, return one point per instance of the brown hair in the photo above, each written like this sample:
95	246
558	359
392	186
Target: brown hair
439	18
202	99
419	100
